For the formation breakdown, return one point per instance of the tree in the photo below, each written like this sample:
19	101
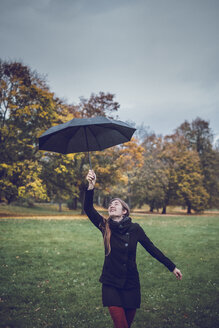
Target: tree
102	104
185	175
200	138
27	108
59	177
153	180
171	175
129	162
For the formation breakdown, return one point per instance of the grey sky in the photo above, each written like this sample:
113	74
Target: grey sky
159	57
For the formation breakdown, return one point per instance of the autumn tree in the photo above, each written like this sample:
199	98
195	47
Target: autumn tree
200	138
102	104
150	180
130	160
186	185
171	175
59	177
27	108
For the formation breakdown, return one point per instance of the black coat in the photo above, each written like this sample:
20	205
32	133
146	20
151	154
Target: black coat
119	269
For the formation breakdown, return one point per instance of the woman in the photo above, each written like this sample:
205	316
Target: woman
120	278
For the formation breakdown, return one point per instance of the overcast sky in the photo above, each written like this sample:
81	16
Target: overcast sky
159	57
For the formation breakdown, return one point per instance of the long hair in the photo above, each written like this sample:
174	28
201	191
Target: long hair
106	228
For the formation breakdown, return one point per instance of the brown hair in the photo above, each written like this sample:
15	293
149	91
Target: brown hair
106	228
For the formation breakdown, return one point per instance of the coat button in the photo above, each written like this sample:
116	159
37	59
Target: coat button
127	233
126	244
120	226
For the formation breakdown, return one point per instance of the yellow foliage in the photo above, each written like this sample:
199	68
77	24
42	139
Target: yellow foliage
21	191
70	156
4	165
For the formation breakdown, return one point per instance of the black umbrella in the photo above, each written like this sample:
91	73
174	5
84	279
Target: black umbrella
84	135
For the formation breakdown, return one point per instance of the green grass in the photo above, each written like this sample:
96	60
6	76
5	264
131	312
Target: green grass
36	209
50	269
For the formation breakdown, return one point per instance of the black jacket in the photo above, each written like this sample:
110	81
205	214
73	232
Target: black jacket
119	269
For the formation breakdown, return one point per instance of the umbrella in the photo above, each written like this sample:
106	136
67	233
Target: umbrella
85	134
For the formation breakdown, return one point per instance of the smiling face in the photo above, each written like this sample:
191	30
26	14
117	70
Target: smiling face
116	209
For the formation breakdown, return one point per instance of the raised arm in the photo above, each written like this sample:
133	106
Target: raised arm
89	209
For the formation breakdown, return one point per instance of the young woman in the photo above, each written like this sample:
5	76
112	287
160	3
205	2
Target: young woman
120	278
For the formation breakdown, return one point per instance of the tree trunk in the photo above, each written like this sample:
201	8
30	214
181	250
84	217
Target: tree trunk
189	209
129	201
151	208
164	211
82	198
60	206
105	201
74	203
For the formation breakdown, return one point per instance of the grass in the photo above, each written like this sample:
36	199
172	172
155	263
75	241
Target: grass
50	268
48	209
36	209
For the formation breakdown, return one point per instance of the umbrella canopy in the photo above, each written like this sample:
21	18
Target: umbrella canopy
84	135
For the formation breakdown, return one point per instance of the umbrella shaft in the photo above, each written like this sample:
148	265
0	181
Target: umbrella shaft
85	132
89	161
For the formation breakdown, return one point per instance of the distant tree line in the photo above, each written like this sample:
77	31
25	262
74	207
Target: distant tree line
180	169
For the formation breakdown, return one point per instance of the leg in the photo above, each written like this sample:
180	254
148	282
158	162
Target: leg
130	314
118	315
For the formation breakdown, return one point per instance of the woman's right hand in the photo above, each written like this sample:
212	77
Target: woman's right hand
91	178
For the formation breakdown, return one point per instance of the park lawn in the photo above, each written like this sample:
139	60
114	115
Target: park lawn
50	269
37	209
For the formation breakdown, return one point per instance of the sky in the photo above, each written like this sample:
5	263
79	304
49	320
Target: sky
159	57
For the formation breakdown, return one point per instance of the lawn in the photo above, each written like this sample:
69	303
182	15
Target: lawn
50	269
38	209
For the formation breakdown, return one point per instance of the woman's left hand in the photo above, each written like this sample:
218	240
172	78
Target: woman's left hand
177	273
